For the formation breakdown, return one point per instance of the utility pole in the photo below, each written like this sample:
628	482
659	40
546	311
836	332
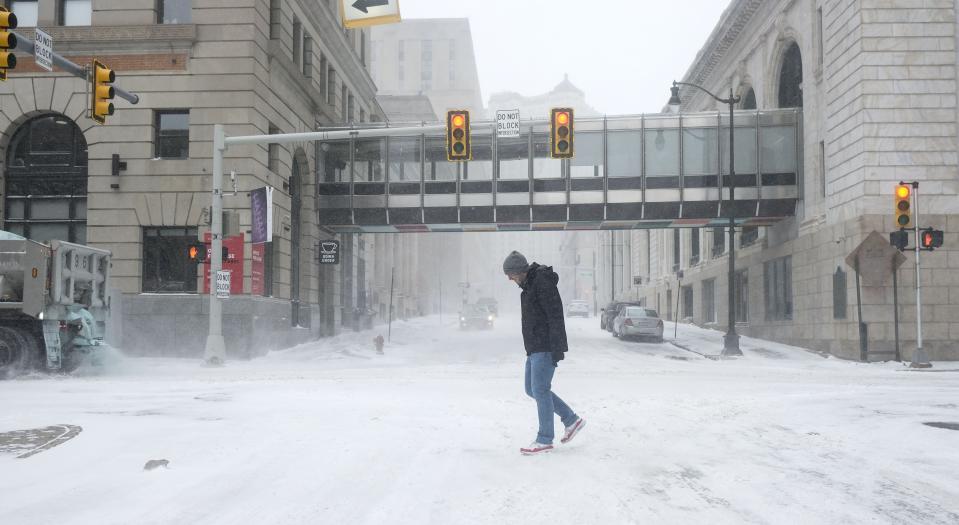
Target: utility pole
215	352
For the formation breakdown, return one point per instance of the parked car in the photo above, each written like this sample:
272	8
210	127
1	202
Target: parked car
476	316
637	321
577	308
610	312
490	304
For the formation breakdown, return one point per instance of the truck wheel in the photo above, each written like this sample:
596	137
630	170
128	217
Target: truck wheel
18	352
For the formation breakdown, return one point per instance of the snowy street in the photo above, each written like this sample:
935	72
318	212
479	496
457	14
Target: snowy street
331	432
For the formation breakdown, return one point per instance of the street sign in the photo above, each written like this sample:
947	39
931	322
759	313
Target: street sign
43	45
223	284
329	252
363	13
507	123
872	259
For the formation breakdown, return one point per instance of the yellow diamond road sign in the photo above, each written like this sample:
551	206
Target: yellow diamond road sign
362	13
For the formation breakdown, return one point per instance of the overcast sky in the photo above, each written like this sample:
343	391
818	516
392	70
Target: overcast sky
625	53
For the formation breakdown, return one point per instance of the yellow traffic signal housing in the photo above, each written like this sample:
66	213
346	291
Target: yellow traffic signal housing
903	206
458	135
561	133
102	92
8	42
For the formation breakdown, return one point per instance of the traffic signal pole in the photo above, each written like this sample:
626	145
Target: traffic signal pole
919	358
215	351
25	45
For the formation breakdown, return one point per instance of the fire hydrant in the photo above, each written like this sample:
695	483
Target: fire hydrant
378	342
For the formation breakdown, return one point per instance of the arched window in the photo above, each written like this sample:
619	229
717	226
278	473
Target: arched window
790	78
46	181
749	100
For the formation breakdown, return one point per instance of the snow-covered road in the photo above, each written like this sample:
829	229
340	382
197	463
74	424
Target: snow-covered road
331	433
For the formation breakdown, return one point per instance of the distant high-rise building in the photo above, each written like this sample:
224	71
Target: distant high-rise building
430	56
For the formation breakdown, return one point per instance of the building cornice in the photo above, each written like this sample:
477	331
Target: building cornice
724	36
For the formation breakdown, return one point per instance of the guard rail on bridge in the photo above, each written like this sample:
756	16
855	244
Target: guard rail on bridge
649	171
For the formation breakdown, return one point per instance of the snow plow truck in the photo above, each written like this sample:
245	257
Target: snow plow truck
54	304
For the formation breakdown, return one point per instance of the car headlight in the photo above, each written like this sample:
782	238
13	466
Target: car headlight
490	318
462	318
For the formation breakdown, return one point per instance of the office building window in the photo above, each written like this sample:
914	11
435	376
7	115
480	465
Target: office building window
749	236
75	12
778	290
297	41
276	12
709	301
307	56
273	151
742	296
174	11
676	243
839	298
719	241
694	246
362	47
171	133
344	100
349	109
27	12
331	86
166	267
323	67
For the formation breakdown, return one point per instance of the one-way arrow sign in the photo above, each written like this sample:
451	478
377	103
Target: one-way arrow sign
362	13
363	4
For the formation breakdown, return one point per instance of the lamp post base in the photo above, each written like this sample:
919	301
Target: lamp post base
731	345
215	352
919	359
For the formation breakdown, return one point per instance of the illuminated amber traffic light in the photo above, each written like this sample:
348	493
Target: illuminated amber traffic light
458	135
903	206
561	133
8	42
102	92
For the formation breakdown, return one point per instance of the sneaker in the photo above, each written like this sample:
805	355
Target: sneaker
535	448
572	430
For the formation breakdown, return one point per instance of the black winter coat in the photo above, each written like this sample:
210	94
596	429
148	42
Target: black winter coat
544	326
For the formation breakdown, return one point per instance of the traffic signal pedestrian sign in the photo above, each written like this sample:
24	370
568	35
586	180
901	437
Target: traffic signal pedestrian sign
8	42
102	92
903	208
561	133
196	252
458	135
899	239
930	239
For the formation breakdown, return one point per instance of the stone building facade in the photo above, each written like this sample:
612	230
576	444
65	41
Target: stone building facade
256	66
876	82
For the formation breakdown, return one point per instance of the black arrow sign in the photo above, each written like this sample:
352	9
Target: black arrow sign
361	5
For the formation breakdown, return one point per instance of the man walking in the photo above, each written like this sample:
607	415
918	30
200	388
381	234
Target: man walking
544	335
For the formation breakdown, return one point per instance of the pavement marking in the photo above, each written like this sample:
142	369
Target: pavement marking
35	440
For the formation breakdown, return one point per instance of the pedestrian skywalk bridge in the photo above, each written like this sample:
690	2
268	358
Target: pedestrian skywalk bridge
650	171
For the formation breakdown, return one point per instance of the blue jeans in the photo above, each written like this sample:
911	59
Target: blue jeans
539	376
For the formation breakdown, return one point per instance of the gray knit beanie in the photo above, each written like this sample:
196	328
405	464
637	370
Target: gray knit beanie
515	263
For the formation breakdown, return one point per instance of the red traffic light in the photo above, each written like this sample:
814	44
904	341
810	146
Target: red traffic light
562	118
458	120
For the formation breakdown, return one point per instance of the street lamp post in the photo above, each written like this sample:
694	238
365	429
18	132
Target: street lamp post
731	339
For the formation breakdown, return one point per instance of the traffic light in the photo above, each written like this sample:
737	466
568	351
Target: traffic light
102	93
561	133
8	42
899	239
196	252
930	239
903	206
458	135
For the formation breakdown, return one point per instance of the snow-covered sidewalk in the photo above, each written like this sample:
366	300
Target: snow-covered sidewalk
331	432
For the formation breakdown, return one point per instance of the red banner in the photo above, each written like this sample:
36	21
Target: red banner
256	271
233	263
